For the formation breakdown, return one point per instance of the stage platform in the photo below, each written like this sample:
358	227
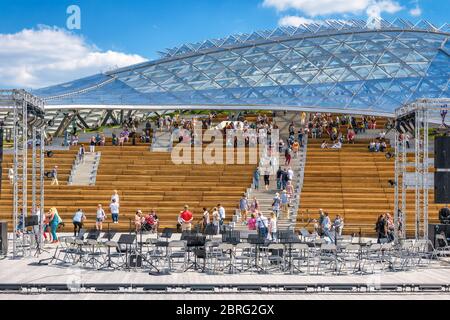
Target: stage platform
21	278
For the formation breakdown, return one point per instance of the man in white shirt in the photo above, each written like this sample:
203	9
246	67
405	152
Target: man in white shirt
114	207
78	220
221	213
290	173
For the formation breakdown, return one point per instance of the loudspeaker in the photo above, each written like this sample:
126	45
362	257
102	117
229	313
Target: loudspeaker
1	158
442	152
3	238
435	229
442	187
135	261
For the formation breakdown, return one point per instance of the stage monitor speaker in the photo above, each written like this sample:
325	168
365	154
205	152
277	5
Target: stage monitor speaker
435	229
442	187
442	152
3	238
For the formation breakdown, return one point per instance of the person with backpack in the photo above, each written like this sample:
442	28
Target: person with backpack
262	225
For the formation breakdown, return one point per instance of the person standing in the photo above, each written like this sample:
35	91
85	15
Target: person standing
11	175
92	144
273	223
78	220
81	153
100	218
276	204
262	225
381	229
55	176
186	218
243	207
326	227
279	178
205	219
267	179
221	214
256	176
115	196
55	221
114	207
216	220
285	203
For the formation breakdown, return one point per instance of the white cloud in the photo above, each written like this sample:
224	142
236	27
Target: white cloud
294	21
417	10
314	8
35	58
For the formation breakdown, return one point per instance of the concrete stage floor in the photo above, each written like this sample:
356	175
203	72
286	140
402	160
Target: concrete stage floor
21	279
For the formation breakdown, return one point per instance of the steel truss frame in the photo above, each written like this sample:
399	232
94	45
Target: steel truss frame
22	104
425	110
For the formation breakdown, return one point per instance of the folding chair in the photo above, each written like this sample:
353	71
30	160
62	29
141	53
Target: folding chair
245	254
352	259
301	255
274	255
327	259
176	253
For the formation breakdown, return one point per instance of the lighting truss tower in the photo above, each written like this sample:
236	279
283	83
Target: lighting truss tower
28	122
425	112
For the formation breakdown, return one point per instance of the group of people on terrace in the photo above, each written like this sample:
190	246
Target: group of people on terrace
322	125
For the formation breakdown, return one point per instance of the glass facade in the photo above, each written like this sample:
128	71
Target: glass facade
337	66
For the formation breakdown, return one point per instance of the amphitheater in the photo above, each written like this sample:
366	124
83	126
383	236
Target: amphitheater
289	76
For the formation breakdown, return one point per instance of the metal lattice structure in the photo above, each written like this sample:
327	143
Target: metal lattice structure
423	110
339	67
28	115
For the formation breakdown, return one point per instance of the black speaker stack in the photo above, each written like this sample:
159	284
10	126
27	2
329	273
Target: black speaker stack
3	238
1	156
436	229
442	173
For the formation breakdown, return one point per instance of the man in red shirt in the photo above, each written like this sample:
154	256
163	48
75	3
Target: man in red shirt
186	219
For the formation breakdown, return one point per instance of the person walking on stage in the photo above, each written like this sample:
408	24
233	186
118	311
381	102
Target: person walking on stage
55	221
78	220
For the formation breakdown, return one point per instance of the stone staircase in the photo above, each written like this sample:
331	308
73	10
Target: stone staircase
265	197
85	173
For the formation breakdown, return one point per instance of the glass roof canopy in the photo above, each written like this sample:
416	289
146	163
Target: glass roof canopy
336	66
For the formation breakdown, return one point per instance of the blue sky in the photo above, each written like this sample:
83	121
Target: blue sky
142	27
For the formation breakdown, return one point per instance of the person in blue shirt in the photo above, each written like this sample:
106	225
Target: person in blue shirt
285	203
243	206
256	176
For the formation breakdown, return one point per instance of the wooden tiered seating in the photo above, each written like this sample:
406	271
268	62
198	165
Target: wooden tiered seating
353	183
145	180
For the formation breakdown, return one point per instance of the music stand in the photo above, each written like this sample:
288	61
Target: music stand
194	243
110	234
257	241
288	238
210	231
93	235
128	241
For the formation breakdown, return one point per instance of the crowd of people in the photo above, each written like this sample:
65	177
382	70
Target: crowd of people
327	228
